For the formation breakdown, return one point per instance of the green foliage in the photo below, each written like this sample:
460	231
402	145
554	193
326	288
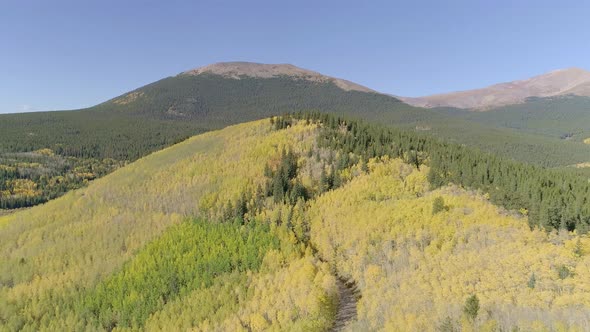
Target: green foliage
532	281
471	307
295	294
170	110
561	117
563	272
282	184
438	205
187	257
92	133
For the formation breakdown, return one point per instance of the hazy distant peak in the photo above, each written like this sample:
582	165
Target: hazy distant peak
570	70
237	70
554	83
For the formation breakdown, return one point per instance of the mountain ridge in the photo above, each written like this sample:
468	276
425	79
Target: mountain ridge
559	82
238	69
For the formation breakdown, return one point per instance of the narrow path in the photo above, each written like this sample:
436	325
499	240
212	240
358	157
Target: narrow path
346	306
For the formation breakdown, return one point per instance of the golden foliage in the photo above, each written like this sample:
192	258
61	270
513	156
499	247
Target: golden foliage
20	188
45	152
582	165
52	252
128	98
7	168
295	295
414	268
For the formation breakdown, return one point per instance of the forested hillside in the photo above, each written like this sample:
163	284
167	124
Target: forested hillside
447	259
552	198
161	114
563	117
30	178
167	111
95	141
125	252
172	109
249	228
44	155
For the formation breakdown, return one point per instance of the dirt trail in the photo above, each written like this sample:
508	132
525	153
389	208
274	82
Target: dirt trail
346	307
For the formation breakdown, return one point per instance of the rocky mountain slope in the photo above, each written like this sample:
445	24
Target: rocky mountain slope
237	70
562	82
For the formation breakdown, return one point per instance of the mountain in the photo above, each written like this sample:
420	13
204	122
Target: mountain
564	117
85	144
227	93
91	142
571	81
238	70
259	226
207	98
212	97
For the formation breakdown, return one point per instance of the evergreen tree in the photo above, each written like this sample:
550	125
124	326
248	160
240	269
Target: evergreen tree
471	307
438	205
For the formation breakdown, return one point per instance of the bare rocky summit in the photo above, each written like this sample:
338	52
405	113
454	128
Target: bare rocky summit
237	70
571	81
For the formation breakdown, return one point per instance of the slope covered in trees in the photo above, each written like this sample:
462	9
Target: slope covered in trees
30	178
248	228
63	263
170	110
79	146
159	115
552	198
564	117
422	268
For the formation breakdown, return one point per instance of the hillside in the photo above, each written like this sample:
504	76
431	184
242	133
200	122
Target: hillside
156	116
564	117
63	258
571	81
417	263
219	232
89	143
208	98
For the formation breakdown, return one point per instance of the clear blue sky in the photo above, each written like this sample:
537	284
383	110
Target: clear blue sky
71	54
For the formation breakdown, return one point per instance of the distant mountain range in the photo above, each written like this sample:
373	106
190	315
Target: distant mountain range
571	81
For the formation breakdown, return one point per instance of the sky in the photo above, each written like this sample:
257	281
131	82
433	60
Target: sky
57	54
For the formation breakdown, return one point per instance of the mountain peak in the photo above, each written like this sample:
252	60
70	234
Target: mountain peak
237	70
571	70
573	80
562	78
